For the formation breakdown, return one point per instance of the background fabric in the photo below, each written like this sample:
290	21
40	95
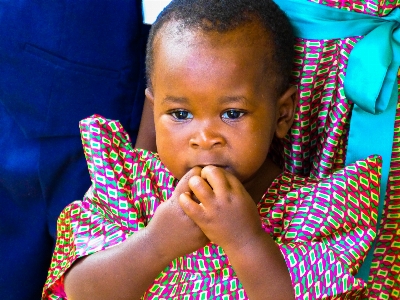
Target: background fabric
317	143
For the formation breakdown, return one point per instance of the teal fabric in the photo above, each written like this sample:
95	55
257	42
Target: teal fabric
370	82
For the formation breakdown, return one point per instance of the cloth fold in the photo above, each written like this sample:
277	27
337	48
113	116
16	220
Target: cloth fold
373	62
371	76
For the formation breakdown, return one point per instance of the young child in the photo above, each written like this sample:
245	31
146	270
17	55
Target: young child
212	216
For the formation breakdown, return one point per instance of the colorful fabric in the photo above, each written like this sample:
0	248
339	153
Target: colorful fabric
323	227
317	143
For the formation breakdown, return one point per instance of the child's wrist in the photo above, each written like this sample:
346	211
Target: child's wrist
243	245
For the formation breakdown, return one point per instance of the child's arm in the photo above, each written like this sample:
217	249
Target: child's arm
229	218
323	229
126	270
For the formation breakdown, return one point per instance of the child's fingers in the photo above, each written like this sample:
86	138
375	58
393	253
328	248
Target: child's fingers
191	208
183	184
201	189
217	178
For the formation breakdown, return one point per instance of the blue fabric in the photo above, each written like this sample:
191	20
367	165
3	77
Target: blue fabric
77	58
60	61
38	178
370	82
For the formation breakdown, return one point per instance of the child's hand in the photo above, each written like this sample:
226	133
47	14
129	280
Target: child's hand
172	230
227	214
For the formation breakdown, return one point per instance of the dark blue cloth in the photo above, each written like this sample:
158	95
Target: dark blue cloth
60	61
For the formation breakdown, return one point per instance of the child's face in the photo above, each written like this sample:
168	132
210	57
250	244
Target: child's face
213	103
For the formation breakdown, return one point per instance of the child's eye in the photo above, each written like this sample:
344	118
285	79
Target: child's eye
232	114
182	115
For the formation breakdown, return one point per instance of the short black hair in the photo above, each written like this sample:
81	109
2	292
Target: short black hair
226	15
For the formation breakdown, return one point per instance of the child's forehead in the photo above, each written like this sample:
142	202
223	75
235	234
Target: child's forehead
196	64
244	53
245	45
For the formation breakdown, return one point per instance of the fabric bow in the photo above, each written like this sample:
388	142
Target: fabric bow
374	61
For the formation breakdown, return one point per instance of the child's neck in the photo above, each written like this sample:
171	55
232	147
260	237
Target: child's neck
262	180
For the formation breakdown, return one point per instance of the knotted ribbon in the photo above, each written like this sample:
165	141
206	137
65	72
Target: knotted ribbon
370	81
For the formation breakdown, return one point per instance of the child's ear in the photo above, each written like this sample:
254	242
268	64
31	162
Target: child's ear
286	107
149	96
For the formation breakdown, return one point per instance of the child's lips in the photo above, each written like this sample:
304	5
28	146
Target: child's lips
202	165
225	167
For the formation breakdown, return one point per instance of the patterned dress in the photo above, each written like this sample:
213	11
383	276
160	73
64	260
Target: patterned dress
322	227
318	141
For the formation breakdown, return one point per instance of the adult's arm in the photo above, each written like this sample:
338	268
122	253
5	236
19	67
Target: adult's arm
146	138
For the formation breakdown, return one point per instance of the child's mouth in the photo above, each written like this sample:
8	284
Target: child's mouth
215	165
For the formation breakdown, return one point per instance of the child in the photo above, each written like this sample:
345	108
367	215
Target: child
234	226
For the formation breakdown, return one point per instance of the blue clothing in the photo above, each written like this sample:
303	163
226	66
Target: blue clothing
60	61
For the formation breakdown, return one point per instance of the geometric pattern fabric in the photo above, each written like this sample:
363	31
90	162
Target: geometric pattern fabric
316	145
323	227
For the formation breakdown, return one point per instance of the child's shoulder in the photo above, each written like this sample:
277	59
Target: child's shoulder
109	152
106	135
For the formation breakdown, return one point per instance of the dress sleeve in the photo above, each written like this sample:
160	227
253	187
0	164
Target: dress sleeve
324	230
127	187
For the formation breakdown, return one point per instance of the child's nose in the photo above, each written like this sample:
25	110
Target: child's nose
206	138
